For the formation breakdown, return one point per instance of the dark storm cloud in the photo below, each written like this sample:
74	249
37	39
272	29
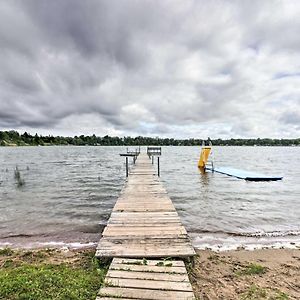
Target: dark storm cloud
150	67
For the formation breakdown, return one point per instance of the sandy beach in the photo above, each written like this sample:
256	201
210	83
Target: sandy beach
242	274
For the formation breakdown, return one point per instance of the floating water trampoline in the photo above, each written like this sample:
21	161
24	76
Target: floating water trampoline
208	165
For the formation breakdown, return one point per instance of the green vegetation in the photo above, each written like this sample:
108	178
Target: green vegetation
254	292
13	138
19	180
164	263
252	269
47	274
6	252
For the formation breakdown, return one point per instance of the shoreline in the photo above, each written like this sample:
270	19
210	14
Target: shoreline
32	243
234	274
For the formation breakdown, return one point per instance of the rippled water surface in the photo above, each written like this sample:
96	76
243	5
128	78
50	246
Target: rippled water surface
69	193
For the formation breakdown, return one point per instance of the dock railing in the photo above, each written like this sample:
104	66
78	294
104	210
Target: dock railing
130	153
154	151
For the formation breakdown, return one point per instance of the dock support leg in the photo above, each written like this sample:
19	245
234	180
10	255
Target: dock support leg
158	167
126	166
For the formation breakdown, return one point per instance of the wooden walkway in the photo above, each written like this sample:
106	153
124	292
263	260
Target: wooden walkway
144	224
146	279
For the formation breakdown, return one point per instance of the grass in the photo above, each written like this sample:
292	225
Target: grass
165	263
281	296
20	181
252	269
46	275
254	292
6	252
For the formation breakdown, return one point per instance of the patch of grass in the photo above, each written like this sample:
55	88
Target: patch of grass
136	262
6	252
252	269
7	263
168	264
163	264
281	296
213	257
254	293
20	181
26	277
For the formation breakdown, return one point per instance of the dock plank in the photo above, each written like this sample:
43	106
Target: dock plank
148	284
135	293
152	262
148	275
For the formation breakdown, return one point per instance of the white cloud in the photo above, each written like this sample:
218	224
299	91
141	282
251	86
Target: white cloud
170	68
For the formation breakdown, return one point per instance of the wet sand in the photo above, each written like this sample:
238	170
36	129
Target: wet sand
242	274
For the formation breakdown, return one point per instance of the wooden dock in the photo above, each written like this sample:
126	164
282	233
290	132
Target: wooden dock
146	279
144	224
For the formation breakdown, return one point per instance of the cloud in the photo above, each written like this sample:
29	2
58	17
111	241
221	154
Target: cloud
291	117
169	68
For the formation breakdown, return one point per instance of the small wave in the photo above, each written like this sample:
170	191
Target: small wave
21	235
227	242
250	234
272	233
73	245
251	247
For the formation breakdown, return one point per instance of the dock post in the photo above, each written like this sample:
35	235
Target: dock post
152	159
126	166
158	167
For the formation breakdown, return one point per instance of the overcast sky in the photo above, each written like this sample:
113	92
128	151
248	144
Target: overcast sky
153	68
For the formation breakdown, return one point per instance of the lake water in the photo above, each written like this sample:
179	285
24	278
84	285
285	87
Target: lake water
69	193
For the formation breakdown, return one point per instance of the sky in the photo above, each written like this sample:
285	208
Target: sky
182	69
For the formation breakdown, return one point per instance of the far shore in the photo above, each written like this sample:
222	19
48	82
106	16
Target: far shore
235	274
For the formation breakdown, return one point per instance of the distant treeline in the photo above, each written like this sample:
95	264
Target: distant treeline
13	138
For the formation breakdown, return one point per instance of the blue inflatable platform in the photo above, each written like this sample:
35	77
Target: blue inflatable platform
241	174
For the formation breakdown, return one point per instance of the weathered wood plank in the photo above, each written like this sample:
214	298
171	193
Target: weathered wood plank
139	209
127	231
146	294
145	222
120	251
114	298
141	199
148	284
127	206
148	275
141	214
151	244
152	262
